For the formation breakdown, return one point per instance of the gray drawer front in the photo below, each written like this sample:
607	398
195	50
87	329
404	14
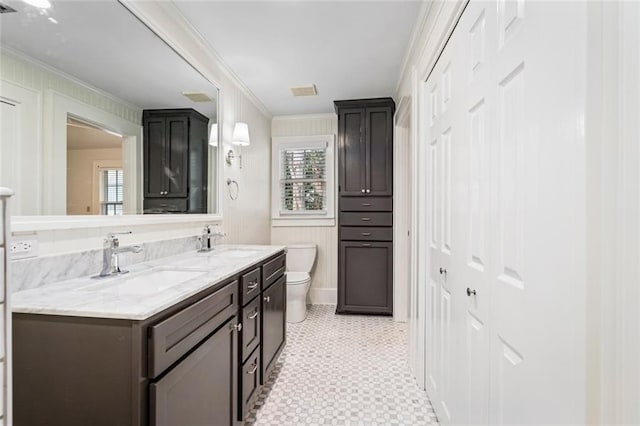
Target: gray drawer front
250	327
170	339
366	204
250	381
366	219
165	205
352	233
272	270
250	285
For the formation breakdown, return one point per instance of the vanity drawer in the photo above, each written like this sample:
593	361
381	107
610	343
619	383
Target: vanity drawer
366	204
250	327
172	338
250	285
165	205
366	219
273	270
250	381
356	233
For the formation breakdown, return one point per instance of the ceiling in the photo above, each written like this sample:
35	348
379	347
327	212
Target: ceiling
103	44
85	136
348	49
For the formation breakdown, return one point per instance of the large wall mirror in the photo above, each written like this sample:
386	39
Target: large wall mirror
100	117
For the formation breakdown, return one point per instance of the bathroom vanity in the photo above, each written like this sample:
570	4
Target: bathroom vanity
185	340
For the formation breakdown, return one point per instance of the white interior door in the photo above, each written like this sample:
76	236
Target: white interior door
504	113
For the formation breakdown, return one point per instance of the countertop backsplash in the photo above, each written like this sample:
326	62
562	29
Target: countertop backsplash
39	271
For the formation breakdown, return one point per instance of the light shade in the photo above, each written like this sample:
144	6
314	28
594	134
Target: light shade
241	134
213	135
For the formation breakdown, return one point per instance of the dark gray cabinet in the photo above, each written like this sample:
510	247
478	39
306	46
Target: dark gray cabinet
199	362
175	161
365	264
273	324
201	389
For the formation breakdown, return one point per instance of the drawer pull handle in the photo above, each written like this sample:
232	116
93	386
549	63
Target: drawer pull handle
366	245
253	370
252	285
366	234
366	204
235	327
267	299
253	315
366	219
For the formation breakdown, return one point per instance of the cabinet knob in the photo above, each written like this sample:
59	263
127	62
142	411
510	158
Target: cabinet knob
236	327
267	299
362	190
368	191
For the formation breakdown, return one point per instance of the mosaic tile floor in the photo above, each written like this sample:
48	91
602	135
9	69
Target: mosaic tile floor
343	370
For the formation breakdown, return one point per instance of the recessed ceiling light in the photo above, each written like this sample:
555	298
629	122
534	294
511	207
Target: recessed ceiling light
42	4
308	90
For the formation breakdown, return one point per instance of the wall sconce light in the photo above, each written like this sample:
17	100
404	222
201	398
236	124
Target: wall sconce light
240	138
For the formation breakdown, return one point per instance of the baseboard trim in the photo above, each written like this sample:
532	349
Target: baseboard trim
323	296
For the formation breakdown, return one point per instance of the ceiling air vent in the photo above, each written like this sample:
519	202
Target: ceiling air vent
309	90
4	8
197	96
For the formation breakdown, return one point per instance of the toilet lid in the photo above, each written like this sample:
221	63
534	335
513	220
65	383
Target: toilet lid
297	277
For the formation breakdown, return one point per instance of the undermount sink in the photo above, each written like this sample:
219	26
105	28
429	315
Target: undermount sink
147	282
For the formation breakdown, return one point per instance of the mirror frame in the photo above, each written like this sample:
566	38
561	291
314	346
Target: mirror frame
59	222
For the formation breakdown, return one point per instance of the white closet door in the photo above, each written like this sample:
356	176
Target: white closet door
504	112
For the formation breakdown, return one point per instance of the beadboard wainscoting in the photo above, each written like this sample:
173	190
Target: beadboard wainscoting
324	284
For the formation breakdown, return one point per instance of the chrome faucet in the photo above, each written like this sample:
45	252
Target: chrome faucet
205	238
111	250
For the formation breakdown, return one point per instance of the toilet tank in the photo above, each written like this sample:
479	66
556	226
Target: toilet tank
300	257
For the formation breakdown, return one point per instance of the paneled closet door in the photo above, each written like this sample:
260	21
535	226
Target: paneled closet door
441	348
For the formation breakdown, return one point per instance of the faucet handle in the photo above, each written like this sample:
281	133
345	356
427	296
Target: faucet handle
112	235
112	239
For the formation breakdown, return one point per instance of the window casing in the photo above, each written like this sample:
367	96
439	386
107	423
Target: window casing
112	192
303	180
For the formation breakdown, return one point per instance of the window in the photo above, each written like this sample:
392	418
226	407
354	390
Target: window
112	190
303	180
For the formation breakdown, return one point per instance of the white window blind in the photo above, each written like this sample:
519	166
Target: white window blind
112	191
303	180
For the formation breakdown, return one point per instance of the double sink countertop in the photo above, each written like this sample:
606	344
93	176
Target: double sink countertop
147	289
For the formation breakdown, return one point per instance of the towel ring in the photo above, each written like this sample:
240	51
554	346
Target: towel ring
237	191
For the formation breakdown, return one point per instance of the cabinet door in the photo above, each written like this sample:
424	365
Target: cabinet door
154	156
177	156
202	389
352	174
379	145
273	324
366	278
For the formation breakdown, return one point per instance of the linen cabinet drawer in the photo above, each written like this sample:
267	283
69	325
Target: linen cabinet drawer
172	338
250	285
273	269
366	204
353	233
366	219
165	205
250	327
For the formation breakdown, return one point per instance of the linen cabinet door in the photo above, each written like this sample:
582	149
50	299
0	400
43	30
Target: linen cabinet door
273	324
352	152
177	156
379	145
154	153
202	389
366	274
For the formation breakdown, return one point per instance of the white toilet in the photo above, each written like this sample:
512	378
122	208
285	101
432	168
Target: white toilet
300	259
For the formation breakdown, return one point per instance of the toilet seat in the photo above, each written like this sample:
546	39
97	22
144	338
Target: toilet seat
295	278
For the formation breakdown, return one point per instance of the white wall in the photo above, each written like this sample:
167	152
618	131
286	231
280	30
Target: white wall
246	220
324	285
81	177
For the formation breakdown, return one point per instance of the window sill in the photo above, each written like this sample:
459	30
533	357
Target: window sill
302	221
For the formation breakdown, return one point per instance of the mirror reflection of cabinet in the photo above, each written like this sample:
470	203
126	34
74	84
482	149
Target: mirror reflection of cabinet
175	161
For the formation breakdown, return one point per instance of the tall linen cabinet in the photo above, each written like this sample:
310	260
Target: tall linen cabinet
365	188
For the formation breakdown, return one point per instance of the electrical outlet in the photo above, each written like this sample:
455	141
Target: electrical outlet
22	248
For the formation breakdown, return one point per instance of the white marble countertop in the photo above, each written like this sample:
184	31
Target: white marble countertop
147	289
